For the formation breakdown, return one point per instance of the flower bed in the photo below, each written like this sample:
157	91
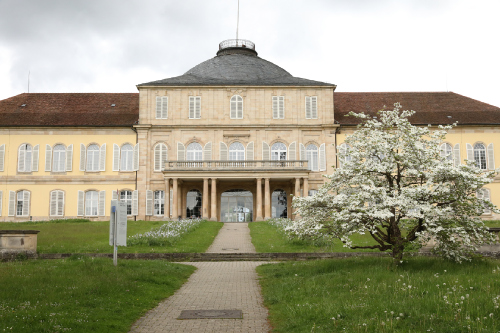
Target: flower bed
167	234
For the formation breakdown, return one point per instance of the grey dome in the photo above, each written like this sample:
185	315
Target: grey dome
238	67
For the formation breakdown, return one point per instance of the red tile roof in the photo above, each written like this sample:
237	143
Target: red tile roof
430	107
70	109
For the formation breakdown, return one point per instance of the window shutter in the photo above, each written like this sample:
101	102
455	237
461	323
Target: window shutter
250	151
102	203
53	203
223	151
456	154
149	202
12	203
60	203
102	158
181	152
470	152
239	106
2	157
158	107
265	151
21	156
116	157
491	157
191	107
342	151
308	107
486	196
281	107
36	151
1	202
303	156
26	203
135	203
158	160
48	157
207	151
164	107
197	107
314	107
233	103
69	158
322	157
81	201
292	151
275	107
135	159
83	155
114	195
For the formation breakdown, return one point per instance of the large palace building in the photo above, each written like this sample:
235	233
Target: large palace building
230	140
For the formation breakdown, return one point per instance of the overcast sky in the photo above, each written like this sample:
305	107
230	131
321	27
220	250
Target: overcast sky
359	45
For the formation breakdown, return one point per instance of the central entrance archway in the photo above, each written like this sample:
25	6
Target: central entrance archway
236	206
193	204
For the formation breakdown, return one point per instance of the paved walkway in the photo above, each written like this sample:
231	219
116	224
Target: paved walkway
215	286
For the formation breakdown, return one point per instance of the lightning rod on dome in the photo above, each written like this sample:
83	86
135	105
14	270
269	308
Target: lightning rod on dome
237	21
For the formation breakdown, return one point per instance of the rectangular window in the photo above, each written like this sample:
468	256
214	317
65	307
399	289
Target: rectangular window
278	107
311	107
194	107
162	107
91	202
126	196
159	208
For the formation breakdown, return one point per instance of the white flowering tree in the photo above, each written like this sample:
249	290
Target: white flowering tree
395	184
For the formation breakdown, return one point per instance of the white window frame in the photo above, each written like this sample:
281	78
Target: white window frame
159	203
446	151
194	107
236	151
484	194
27	165
91	203
312	157
278	107
277	151
127	158
194	154
160	153
236	107
93	158
480	155
23	203
57	160
126	196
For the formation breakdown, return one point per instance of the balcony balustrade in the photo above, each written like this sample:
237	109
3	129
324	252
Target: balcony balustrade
236	165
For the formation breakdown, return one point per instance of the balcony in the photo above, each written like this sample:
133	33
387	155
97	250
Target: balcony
292	165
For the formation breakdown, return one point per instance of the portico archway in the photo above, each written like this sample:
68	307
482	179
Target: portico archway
236	206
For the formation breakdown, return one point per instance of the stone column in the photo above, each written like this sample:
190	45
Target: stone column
297	187
205	199
267	198
166	204
306	186
259	200
213	209
175	195
181	198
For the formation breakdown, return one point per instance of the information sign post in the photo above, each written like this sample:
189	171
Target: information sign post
117	227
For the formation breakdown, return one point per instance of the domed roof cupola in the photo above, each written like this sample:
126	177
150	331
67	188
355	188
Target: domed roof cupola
237	46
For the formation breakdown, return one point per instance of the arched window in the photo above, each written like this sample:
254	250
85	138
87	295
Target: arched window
236	107
91	202
56	203
446	151
344	156
93	158
312	157
127	157
126	196
480	156
59	159
159	203
23	203
278	152
160	153
25	158
194	152
236	152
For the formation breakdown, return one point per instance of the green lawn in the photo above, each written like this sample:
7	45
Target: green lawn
370	295
93	237
83	294
267	238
